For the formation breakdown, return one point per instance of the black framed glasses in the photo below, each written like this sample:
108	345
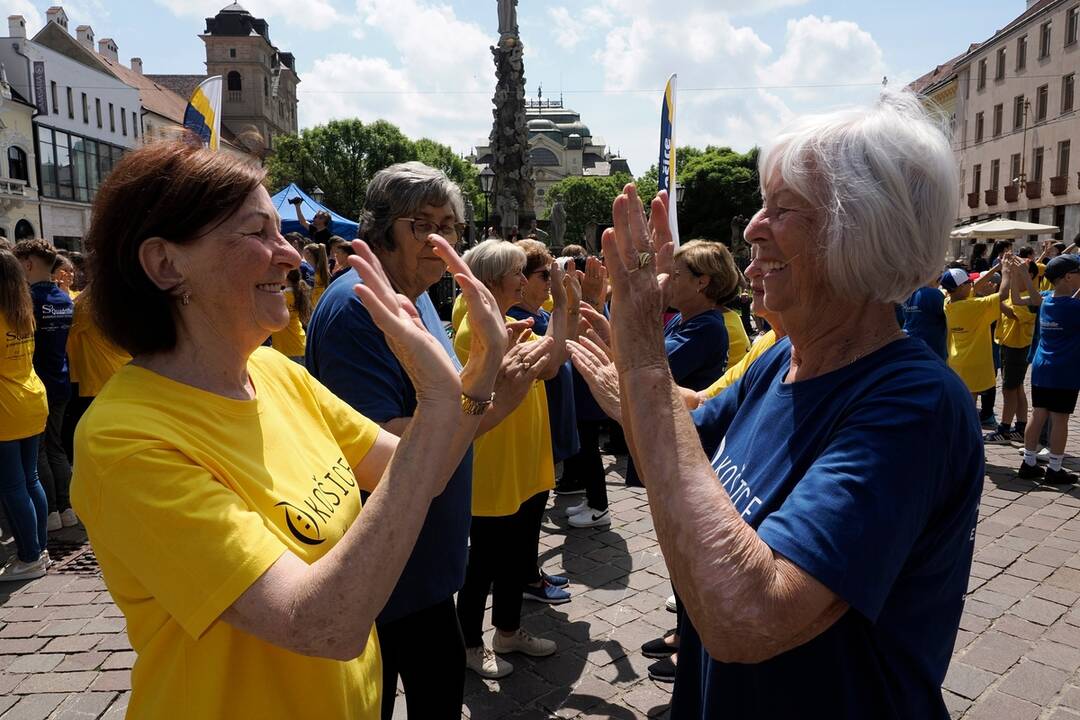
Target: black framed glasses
544	274
422	228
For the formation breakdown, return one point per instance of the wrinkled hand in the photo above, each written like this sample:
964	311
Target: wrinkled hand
558	290
423	357
521	368
594	283
592	358
597	322
572	286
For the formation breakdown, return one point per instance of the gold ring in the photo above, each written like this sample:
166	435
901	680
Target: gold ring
644	259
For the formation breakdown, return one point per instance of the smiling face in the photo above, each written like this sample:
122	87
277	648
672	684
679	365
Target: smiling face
537	288
508	290
235	275
785	236
413	265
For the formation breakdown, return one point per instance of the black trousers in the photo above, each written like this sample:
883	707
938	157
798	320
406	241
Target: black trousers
502	558
54	470
427	651
76	407
587	467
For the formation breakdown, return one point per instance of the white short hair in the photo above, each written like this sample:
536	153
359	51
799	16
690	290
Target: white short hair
494	259
886	181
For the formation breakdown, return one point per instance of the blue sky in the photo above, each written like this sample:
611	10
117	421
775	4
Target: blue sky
425	65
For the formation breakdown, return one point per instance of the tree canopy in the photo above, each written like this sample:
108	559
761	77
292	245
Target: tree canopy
342	156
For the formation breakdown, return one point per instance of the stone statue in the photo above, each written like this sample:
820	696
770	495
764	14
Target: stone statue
508	26
557	224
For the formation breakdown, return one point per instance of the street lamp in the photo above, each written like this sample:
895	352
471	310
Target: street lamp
679	187
317	194
487	182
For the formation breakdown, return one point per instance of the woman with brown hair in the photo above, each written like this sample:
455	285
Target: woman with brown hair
220	483
23	410
320	279
291	340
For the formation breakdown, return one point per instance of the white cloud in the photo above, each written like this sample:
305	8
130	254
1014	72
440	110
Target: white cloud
824	51
34	19
568	31
309	14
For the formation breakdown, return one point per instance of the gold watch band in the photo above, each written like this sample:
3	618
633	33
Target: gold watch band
471	406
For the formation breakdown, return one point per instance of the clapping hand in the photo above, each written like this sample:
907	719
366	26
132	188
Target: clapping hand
592	358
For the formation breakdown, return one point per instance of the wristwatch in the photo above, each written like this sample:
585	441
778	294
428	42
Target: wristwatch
470	406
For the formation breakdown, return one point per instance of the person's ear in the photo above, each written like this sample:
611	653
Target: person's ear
158	258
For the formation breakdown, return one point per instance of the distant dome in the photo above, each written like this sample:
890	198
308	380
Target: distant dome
540	124
575	128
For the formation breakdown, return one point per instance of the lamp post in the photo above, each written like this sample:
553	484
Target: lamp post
317	194
487	181
679	187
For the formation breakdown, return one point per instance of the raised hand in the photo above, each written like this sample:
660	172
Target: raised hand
558	291
521	368
423	358
599	324
594	283
592	358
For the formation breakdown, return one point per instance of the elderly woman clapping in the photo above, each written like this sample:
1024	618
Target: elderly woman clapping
822	541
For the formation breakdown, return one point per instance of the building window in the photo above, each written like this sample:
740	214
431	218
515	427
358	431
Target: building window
85	109
71	105
981	83
266	87
999	71
123	122
1042	95
232	52
1037	164
1044	41
112	119
134	124
1021	53
979	123
55	101
995	174
1014	168
72	167
999	114
1018	112
1068	87
1063	158
977	179
17	169
235	86
1072	20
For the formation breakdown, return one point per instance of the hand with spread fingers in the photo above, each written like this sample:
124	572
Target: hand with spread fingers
424	359
592	358
594	283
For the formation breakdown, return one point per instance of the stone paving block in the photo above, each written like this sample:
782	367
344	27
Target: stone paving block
27	599
1043	522
1046	555
6	702
79	598
84	706
1065	577
985	595
1062	544
1012	625
119	641
984	570
1033	681
72	643
967	681
118	708
1064	632
34	707
73	612
648	698
983	610
999	706
34	614
1056	655
1070	697
83	661
1061	596
57	628
18	646
1030	533
55	682
21	630
1029	570
112	680
1038	610
49	584
120	661
100	625
35	663
1060	713
1015	587
995	651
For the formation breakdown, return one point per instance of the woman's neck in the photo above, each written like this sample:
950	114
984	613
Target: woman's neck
694	309
836	336
211	366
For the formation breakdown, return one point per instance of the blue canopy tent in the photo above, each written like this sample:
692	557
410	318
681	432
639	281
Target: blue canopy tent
339	225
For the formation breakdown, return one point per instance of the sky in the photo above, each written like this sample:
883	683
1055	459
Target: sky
746	67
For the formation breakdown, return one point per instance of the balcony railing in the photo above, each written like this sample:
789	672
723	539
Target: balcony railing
1059	185
991	197
1033	190
1012	193
234	96
973	200
13	188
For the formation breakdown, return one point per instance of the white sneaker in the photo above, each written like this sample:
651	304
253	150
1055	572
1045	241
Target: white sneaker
54	522
68	518
18	570
1042	457
591	518
524	643
482	661
671	605
47	558
579	508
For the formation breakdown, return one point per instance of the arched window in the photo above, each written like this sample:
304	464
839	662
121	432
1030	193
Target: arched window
17	168
234	82
542	157
23	230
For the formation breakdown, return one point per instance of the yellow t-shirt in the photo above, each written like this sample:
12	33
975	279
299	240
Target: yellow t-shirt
291	340
457	314
1016	333
92	359
970	352
23	406
738	342
189	497
316	293
736	371
512	461
1043	283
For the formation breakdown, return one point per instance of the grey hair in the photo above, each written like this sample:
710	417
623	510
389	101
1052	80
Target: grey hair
494	259
886	181
400	191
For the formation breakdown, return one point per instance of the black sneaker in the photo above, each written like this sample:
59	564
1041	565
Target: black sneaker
663	670
569	488
1030	472
659	648
996	438
1059	477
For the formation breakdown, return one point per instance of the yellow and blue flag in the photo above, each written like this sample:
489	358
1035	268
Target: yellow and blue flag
203	114
667	155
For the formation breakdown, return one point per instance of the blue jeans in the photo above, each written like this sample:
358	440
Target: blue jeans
23	497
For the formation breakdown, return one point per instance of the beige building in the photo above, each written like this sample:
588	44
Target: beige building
20	216
1013	103
560	145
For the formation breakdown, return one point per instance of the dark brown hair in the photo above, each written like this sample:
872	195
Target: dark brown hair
537	256
322	264
15	303
174	189
301	296
38	248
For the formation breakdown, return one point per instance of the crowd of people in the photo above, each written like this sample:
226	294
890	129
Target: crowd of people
299	470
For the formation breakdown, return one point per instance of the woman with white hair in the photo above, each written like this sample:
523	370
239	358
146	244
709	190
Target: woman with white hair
821	543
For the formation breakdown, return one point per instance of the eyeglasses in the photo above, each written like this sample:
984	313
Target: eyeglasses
544	274
422	228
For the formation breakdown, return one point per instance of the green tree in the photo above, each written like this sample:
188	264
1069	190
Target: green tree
342	156
586	200
718	184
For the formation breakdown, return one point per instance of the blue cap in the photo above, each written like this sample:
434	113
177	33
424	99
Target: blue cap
1061	266
954	278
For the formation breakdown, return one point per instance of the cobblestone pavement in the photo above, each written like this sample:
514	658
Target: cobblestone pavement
64	652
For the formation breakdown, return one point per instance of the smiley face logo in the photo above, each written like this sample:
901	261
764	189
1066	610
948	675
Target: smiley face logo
301	524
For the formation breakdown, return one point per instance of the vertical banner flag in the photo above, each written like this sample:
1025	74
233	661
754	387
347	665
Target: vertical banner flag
667	156
203	114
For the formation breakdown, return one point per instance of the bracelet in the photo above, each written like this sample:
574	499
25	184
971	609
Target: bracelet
471	406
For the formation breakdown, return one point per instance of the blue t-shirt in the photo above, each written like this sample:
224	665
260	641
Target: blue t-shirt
562	415
924	318
868	478
1057	359
53	311
697	349
307	272
348	353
